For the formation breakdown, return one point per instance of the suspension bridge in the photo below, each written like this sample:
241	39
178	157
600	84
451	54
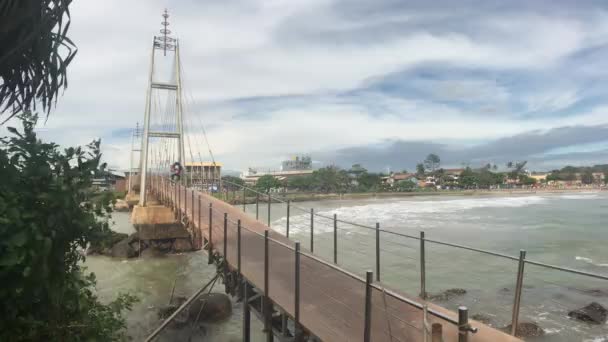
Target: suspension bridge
296	293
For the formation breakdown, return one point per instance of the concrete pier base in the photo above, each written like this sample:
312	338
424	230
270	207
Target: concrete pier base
132	199
157	222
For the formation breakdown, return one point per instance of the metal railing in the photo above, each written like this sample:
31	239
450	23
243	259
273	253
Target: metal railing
376	233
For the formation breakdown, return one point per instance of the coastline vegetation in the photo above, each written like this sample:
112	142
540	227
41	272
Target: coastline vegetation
47	218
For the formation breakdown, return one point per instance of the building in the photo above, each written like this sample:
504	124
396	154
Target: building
395	178
540	177
204	175
598	177
297	163
110	180
298	166
251	176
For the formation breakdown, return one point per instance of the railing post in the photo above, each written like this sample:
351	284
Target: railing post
210	243
179	201
238	248
200	221
225	245
175	201
269	202
244	203
296	304
287	227
257	206
335	238
422	267
367	329
463	324
518	290
246	313
267	308
312	230
377	251
192	204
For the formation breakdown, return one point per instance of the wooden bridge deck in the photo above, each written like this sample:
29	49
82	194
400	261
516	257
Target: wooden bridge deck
331	302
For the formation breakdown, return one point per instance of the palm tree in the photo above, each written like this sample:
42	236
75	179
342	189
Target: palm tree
35	53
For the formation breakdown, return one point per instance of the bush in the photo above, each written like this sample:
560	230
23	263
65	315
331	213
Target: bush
47	219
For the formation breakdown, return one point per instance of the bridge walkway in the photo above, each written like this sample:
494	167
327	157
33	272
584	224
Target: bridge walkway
332	300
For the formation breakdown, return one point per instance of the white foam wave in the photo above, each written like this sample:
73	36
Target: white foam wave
582	195
597	339
412	212
589	261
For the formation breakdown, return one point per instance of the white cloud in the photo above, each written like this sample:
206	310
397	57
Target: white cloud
244	49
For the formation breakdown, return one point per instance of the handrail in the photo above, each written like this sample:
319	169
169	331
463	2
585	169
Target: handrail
378	286
439	242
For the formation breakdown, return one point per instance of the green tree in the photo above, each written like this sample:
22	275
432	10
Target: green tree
300	183
605	177
468	178
266	183
369	181
35	53
526	180
420	169
405	186
587	177
47	218
232	183
432	162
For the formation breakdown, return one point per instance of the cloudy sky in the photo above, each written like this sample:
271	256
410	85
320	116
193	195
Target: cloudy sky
381	82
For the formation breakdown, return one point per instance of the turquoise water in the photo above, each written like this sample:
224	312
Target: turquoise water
563	229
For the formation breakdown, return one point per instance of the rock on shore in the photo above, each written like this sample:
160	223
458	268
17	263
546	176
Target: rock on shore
446	295
129	246
593	313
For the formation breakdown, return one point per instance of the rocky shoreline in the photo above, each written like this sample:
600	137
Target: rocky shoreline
120	245
593	313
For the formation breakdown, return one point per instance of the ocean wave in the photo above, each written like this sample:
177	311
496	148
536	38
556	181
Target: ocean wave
409	212
582	195
589	261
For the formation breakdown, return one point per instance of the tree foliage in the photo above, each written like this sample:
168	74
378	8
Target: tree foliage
232	183
35	53
266	183
46	220
432	162
420	169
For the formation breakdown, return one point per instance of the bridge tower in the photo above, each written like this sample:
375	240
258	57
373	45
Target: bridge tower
167	45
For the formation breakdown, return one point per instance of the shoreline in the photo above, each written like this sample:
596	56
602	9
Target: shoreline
309	197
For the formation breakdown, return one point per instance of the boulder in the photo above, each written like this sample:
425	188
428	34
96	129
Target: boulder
446	295
596	292
181	319
594	313
526	329
182	245
133	238
123	250
162	245
213	307
105	244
